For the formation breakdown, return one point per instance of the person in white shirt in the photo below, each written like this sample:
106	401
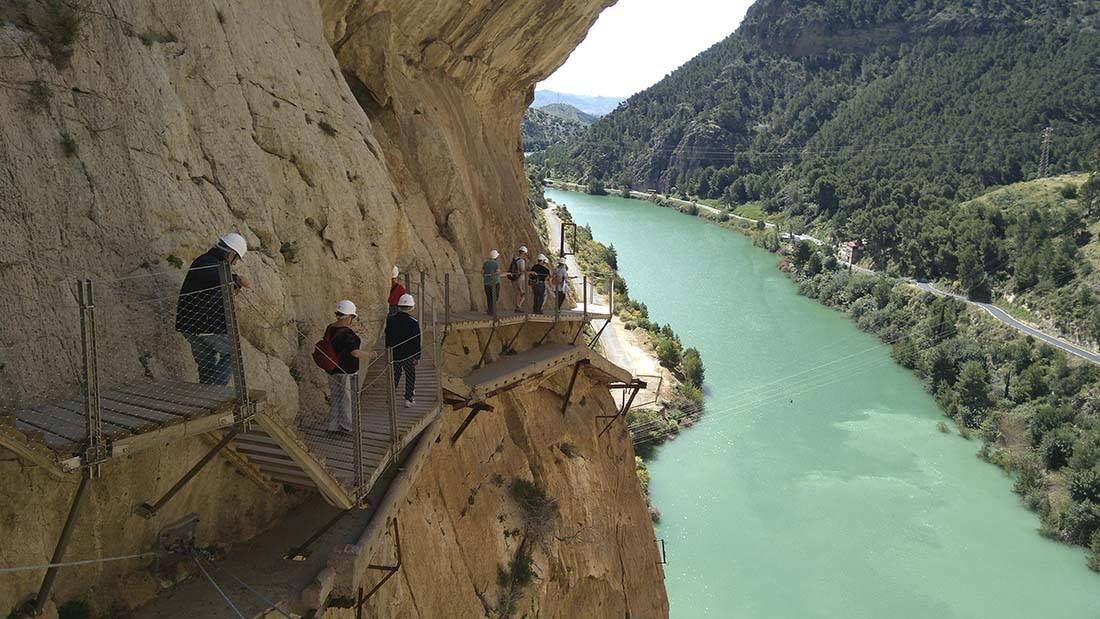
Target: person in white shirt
561	281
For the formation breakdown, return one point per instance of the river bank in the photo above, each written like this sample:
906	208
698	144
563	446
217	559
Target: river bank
818	481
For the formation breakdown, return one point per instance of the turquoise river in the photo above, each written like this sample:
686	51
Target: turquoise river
817	484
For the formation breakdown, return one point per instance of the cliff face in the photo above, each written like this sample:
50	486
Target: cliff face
339	137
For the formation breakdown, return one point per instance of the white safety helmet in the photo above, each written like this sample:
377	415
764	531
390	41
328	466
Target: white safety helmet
561	261
406	300
396	272
347	308
543	258
493	255
523	249
234	241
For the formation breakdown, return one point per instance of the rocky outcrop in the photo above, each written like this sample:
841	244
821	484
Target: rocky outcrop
339	137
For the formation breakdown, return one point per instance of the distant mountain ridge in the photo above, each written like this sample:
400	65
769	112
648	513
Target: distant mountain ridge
568	112
594	105
888	101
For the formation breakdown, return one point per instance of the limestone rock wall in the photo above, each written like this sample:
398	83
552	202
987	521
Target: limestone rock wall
340	137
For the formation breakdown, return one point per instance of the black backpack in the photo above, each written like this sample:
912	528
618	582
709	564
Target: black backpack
513	269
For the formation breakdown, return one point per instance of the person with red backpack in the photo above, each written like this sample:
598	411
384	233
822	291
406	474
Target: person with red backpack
338	354
396	290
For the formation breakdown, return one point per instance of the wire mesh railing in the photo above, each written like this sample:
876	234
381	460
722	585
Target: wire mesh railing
554	291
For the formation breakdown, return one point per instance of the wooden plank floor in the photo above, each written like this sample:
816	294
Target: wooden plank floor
128	411
310	456
462	321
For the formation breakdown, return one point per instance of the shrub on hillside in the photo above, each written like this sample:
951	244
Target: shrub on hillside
1057	447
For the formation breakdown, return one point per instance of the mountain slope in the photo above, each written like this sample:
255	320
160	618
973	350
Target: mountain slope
889	102
597	106
569	112
541	130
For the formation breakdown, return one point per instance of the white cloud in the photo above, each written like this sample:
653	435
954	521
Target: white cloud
635	43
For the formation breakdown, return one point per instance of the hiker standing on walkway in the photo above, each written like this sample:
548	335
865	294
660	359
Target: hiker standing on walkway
338	353
490	274
561	281
403	339
517	274
396	290
539	274
200	311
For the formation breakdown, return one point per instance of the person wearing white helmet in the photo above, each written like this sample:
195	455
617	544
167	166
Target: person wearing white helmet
561	281
200	311
490	275
403	340
539	274
396	290
517	274
338	354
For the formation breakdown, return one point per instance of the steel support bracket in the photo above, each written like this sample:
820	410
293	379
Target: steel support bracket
572	382
599	333
485	348
301	551
634	387
390	570
147	511
475	408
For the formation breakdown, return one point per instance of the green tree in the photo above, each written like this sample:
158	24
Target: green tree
693	367
668	352
802	253
813	265
970	273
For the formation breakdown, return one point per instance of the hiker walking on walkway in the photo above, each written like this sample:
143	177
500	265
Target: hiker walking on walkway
490	274
200	311
561	281
338	354
403	339
396	290
539	274
517	274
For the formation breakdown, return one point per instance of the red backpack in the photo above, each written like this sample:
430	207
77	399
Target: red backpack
324	354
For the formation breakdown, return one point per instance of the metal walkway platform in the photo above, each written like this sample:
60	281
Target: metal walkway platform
510	371
465	321
135	417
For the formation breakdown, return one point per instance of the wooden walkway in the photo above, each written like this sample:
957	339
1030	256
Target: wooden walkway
510	371
135	417
465	321
303	453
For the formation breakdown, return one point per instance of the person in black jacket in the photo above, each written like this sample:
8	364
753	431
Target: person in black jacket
539	274
343	386
200	311
403	339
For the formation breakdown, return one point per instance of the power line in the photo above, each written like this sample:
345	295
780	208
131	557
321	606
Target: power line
225	598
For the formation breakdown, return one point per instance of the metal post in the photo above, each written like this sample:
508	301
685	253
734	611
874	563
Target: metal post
59	550
611	296
357	435
572	381
584	296
447	301
420	301
95	449
438	365
242	410
392	400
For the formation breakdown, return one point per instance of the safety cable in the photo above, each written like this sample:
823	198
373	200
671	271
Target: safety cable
224	597
24	568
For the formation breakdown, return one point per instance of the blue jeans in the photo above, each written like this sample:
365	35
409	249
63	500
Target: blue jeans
212	355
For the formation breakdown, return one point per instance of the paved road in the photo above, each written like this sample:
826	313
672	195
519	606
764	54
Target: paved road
1004	317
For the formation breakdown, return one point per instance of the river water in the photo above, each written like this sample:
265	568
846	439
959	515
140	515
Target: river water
817	484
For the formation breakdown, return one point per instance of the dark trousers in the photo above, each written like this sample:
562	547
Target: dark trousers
492	293
212	356
408	366
538	290
561	298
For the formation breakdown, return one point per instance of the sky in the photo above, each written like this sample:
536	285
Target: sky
635	43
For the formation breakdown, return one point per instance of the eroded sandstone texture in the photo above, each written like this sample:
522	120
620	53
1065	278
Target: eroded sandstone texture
340	138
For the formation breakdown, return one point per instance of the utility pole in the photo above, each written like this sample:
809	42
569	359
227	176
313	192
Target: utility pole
1044	159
